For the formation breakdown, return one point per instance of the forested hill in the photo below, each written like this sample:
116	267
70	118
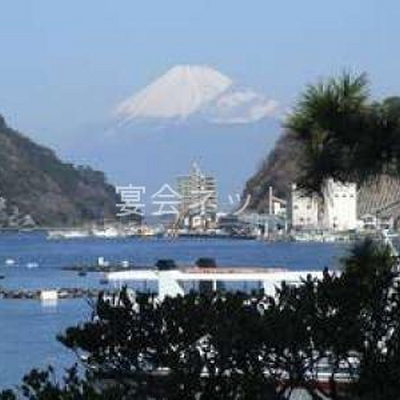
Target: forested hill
283	166
280	168
36	187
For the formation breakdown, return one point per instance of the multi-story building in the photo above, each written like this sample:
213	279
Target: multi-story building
303	210
339	206
371	222
199	199
335	210
279	206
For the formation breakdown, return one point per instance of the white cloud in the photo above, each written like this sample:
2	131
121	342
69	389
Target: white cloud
265	109
242	106
236	98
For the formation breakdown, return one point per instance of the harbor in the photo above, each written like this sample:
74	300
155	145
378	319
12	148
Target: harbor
22	349
191	210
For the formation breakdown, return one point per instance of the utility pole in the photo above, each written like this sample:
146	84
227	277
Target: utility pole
270	200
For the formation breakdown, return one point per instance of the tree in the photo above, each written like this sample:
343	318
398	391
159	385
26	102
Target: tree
346	135
204	346
371	272
242	346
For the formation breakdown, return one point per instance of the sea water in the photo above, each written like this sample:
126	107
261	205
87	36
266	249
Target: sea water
28	328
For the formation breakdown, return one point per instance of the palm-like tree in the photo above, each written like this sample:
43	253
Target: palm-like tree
346	135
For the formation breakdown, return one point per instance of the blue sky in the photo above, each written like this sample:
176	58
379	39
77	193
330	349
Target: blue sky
65	64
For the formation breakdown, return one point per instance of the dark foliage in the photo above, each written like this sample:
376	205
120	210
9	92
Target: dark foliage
52	192
282	167
346	135
240	346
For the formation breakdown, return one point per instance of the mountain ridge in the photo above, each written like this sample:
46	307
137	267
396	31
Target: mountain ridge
34	181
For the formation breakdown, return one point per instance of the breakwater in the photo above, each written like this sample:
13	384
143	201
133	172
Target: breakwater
51	294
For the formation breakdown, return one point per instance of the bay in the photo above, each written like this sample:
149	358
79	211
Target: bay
28	328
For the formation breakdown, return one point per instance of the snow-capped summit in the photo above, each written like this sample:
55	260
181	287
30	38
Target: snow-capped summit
180	92
189	113
186	90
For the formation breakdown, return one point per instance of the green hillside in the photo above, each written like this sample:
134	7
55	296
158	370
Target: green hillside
36	184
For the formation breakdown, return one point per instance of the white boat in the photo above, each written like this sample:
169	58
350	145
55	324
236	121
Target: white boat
49	295
67	234
107	233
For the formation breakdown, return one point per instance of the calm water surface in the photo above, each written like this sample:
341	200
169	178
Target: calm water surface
28	328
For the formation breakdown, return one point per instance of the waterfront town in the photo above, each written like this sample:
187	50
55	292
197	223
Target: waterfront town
191	209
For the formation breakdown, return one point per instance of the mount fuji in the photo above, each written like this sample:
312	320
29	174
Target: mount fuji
185	91
191	113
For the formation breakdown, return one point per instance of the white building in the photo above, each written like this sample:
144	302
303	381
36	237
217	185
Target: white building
335	211
279	206
339	206
303	210
199	198
371	222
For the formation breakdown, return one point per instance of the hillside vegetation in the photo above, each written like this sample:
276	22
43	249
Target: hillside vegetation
284	165
36	185
280	169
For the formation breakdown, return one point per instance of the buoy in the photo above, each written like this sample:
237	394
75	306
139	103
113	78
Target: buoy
101	262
